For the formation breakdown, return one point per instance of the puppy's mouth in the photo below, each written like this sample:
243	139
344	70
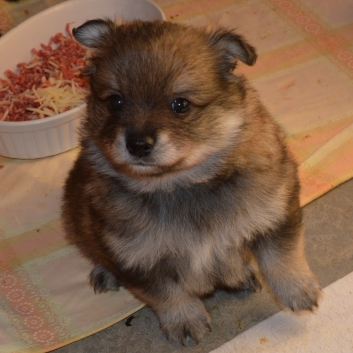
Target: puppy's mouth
149	169
143	167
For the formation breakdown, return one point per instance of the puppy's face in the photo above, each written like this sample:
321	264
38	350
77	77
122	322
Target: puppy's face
163	98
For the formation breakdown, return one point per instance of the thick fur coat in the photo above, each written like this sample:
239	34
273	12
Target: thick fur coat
184	183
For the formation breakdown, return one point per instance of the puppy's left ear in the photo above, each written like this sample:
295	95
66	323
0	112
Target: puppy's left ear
233	46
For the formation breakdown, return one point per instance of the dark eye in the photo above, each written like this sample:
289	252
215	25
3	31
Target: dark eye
181	105
115	102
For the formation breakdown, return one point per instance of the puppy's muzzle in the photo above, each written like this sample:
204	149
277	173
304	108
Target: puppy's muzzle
139	145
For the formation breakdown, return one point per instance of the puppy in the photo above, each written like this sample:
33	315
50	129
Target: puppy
184	183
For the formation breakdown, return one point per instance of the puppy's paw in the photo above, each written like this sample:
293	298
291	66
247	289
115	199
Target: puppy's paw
187	326
188	331
300	294
102	280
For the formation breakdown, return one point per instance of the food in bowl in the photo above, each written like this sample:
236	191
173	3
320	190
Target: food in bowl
49	84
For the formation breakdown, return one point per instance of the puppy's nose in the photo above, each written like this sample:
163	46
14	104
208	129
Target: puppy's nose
139	145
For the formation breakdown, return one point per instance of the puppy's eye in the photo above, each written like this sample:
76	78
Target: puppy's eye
181	105
115	102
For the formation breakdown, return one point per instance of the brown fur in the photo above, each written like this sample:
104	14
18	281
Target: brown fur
216	193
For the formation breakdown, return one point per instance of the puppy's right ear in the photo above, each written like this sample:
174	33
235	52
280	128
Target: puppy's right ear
92	32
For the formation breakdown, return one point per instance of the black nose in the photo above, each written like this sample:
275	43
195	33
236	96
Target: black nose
139	145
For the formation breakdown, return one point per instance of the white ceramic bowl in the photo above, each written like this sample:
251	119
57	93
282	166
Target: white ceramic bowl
56	134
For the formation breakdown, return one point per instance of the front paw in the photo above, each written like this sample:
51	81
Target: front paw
186	326
300	293
103	280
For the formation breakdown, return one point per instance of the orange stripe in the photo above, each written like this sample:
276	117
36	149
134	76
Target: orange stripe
336	162
324	176
306	142
33	244
312	187
329	42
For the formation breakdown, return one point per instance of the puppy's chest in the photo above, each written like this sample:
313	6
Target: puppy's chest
187	225
182	212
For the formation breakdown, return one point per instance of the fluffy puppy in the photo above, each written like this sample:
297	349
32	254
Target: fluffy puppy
184	183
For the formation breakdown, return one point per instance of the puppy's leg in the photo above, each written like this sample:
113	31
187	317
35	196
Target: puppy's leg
102	280
282	261
182	317
240	271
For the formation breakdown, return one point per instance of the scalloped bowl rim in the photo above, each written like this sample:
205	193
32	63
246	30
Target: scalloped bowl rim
13	126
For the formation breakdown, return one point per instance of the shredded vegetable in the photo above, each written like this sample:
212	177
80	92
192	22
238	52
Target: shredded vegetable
49	84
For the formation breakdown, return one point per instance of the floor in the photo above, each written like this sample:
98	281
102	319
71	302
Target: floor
329	234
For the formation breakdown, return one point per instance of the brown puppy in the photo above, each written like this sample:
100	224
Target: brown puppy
184	182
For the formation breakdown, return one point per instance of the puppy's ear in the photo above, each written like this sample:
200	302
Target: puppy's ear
91	33
233	46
